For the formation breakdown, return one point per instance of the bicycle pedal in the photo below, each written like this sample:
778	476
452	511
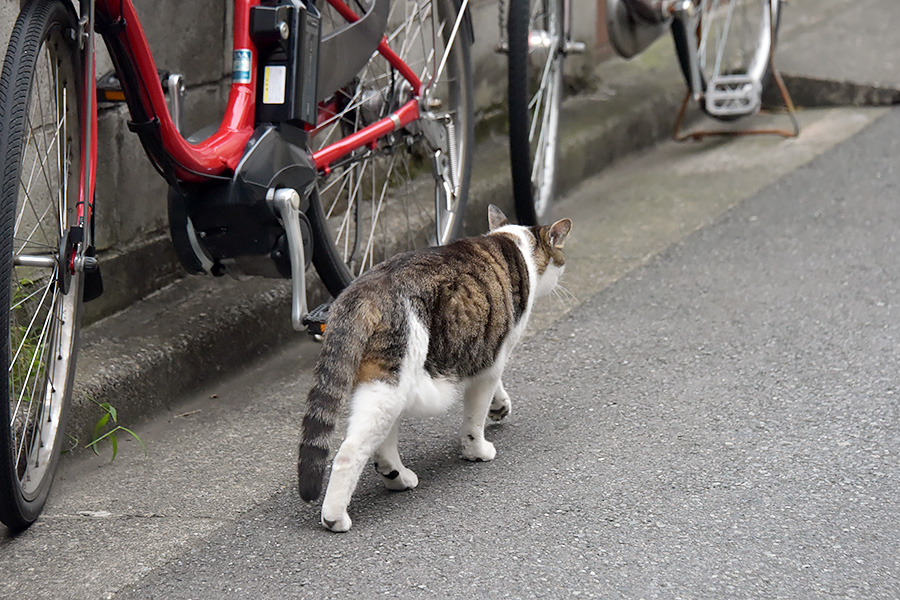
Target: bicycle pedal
109	88
733	96
316	320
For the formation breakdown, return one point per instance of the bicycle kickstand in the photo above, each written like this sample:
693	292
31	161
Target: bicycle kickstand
286	204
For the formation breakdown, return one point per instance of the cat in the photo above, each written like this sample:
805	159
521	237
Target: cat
411	336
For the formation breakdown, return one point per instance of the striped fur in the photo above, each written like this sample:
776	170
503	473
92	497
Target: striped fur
409	337
351	324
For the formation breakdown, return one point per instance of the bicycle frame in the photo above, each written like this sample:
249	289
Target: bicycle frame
243	201
219	155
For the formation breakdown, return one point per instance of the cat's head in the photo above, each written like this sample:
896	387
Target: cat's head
546	243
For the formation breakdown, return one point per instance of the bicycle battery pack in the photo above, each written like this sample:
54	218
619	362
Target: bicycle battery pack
286	34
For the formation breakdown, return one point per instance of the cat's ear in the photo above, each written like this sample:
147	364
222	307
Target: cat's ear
496	218
556	235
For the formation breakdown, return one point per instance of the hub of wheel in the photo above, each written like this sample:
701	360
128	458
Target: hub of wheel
66	258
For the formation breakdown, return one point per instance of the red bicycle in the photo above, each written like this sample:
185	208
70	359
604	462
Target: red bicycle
336	109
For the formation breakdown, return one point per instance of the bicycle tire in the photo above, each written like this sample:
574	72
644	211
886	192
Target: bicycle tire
535	90
394	212
756	62
40	138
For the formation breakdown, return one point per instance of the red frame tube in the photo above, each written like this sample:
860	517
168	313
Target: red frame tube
328	155
407	113
221	153
223	150
85	200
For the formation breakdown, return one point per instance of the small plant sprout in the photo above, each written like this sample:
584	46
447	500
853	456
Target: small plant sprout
98	435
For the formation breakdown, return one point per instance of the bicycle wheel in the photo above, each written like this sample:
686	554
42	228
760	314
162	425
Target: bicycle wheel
381	201
40	150
734	44
535	32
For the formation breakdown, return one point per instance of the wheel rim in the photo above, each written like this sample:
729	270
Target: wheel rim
735	38
42	320
381	201
545	85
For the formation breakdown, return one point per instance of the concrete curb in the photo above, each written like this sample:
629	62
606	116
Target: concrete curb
814	92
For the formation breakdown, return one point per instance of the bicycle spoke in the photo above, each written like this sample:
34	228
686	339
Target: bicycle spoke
706	24
26	188
328	190
31	361
30	296
38	225
365	195
544	84
48	145
41	366
34	245
540	155
356	180
723	39
29	328
739	34
40	104
450	42
429	46
368	253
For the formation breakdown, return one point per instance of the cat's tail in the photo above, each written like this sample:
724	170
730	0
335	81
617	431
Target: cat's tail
349	327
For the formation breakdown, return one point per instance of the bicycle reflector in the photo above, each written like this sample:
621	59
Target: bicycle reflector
316	320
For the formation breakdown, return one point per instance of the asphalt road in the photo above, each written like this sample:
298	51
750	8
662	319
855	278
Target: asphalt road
721	423
715	416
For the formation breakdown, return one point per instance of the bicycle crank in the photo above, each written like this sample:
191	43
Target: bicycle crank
286	204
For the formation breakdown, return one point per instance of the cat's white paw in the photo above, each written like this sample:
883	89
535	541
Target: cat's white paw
500	408
475	449
404	479
339	523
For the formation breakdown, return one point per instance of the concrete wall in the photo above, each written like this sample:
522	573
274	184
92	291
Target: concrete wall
194	38
131	225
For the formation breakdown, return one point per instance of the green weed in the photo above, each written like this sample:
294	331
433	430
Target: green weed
98	434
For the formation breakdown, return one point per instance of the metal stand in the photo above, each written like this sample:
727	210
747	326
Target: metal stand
788	103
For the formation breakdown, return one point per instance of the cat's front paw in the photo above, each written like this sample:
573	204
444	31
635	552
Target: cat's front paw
478	450
404	479
500	408
339	523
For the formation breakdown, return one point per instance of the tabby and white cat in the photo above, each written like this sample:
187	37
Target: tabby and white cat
412	336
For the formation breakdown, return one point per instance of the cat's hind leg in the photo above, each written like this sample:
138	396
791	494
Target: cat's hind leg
374	410
476	403
501	404
388	464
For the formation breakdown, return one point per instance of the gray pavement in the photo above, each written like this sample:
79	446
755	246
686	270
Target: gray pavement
608	422
719	423
682	453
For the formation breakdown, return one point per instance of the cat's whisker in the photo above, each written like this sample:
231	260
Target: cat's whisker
566	297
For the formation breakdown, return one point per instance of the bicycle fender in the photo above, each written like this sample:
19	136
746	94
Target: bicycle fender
466	26
345	51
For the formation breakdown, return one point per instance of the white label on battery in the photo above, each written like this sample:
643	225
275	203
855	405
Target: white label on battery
273	85
241	63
